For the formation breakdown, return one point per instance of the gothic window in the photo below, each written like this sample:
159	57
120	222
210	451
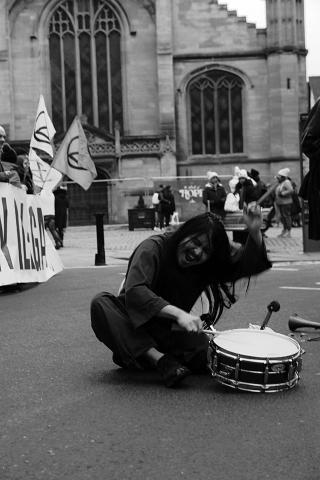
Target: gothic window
85	60
216	113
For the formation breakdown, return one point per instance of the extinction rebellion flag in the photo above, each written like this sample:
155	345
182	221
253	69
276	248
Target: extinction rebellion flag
43	131
73	158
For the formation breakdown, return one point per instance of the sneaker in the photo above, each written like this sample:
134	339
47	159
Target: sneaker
287	234
282	234
171	370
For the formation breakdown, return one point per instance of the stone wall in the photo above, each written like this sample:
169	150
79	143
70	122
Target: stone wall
160	55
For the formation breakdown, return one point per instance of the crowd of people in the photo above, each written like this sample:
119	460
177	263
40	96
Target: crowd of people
15	170
245	187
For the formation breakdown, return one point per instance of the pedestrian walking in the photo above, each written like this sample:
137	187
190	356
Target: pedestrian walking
47	206
283	200
61	205
155	204
166	206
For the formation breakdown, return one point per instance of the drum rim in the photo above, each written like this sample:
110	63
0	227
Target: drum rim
262	332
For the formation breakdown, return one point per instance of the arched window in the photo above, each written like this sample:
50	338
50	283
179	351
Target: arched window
85	60
216	113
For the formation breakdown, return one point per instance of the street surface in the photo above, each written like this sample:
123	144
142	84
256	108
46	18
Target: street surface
68	413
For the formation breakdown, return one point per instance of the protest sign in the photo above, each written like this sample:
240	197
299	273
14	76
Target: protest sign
27	254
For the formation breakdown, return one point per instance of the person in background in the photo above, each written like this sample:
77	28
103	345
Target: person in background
47	206
61	205
283	200
269	202
234	180
214	195
246	188
25	174
155	204
8	159
296	207
260	187
166	207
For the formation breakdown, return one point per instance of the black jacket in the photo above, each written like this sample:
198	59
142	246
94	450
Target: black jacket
310	188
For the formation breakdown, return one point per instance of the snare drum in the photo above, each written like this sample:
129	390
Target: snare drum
255	360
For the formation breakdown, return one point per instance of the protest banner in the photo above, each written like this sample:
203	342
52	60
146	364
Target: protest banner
27	254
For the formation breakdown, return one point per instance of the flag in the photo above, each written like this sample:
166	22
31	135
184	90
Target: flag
43	175
43	131
73	157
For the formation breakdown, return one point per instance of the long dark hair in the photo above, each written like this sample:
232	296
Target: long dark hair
217	269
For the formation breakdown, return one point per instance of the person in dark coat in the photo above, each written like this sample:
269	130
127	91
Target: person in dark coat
166	206
25	174
8	159
214	195
61	205
260	187
310	188
149	323
246	189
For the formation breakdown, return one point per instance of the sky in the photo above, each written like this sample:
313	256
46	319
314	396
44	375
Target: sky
255	12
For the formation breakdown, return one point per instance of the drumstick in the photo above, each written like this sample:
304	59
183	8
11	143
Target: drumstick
274	306
210	332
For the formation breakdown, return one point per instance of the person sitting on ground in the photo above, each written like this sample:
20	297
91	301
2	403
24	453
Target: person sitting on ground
283	200
214	195
149	324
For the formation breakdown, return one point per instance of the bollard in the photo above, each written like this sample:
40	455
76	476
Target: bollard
100	258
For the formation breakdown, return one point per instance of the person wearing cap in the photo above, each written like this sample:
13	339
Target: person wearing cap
283	200
246	189
214	195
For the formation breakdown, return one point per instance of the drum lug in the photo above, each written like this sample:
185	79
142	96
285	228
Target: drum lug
266	373
215	363
236	373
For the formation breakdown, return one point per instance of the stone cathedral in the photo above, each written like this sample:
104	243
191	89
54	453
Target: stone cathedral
162	87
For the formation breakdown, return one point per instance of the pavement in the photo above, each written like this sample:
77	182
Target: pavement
80	246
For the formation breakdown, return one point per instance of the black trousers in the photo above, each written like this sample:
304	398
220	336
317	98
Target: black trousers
112	326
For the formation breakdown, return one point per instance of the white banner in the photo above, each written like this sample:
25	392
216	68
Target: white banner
27	254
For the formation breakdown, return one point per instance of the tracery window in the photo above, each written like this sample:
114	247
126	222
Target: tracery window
216	113
85	60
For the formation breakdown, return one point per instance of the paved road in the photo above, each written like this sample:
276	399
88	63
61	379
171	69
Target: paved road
81	245
67	413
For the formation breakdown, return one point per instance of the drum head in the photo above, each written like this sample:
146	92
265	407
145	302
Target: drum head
257	343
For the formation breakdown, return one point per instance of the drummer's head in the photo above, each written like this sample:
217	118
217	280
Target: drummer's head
201	240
